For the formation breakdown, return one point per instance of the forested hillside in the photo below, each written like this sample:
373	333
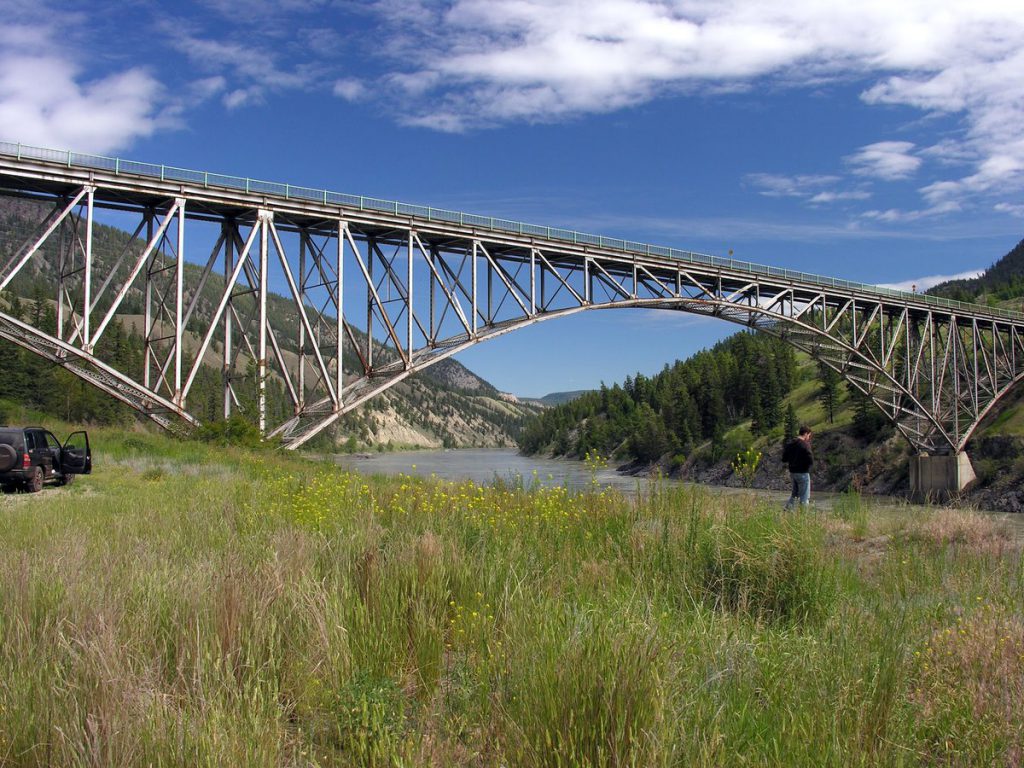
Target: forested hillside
446	405
698	417
1001	283
742	378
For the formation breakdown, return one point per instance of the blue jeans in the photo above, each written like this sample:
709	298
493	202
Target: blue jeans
801	489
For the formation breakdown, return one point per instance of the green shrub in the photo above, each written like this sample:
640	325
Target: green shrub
235	430
370	719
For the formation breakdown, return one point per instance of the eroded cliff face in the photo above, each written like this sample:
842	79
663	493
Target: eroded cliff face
424	413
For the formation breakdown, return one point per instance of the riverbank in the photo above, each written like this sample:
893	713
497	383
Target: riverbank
843	463
197	605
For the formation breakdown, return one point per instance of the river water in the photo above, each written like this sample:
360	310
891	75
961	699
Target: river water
488	465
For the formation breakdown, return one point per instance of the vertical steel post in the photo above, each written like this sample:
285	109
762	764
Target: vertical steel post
853	323
408	306
975	349
955	332
261	373
230	230
1013	351
369	304
338	304
432	257
147	324
908	354
475	314
61	268
303	244
543	288
179	283
87	277
490	292
533	281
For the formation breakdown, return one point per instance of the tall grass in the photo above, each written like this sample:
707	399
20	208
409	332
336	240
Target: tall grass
191	605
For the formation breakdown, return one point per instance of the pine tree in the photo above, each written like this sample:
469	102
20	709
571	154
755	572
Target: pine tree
828	390
790	428
757	420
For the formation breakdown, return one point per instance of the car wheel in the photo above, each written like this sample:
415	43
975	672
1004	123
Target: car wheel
8	457
66	480
35	483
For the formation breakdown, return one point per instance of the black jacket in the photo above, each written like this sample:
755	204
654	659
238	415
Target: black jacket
797	454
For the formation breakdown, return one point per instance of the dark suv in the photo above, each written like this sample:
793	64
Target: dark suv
31	456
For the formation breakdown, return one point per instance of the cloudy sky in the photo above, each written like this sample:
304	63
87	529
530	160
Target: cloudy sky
876	141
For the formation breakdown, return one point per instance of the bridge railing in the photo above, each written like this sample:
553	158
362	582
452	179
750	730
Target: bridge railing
288	191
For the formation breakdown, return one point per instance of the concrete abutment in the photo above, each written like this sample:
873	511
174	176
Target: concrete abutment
942	476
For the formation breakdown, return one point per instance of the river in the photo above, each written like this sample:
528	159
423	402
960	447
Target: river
487	465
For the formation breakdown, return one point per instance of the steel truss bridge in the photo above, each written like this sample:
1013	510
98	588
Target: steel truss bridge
392	288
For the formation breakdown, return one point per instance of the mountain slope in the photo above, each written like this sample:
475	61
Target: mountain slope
447	404
1003	281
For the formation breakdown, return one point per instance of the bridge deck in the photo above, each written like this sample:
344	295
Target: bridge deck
155	179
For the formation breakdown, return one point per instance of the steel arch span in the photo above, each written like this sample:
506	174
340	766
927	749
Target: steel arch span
377	290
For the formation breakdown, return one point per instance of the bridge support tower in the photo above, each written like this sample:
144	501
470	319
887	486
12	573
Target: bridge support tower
940	476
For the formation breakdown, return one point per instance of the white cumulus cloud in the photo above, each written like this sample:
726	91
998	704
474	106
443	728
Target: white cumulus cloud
485	62
349	89
45	100
1010	208
888	160
815	189
929	281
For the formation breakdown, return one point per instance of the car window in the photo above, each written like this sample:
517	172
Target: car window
12	437
30	441
51	441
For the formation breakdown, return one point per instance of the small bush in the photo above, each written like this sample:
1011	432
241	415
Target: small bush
745	465
235	430
370	718
155	473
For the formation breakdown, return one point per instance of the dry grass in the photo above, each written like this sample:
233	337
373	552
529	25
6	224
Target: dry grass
978	532
971	677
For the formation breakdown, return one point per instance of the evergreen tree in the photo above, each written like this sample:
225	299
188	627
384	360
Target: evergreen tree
789	432
828	390
868	420
757	420
649	441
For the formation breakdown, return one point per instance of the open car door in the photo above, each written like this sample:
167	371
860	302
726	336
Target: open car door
75	457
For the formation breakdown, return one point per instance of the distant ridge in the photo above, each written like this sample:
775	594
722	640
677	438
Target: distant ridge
557	398
1003	280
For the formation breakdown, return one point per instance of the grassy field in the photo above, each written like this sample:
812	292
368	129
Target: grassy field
188	605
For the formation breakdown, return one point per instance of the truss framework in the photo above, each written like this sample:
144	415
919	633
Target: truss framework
376	295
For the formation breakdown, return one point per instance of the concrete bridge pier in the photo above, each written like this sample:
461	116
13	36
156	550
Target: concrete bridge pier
940	476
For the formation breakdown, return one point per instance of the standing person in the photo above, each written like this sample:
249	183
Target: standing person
797	455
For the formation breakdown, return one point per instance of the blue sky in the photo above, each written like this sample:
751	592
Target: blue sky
875	141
